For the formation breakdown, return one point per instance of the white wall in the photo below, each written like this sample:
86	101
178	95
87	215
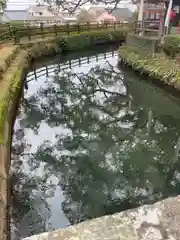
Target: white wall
37	10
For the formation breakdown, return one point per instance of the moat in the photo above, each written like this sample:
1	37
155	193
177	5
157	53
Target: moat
90	139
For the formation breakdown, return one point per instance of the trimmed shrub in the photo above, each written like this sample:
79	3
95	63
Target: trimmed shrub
87	39
158	66
74	42
171	45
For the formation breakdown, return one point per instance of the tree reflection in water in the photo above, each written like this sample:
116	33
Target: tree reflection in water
111	153
30	210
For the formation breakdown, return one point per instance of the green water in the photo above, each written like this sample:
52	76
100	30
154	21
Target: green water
91	140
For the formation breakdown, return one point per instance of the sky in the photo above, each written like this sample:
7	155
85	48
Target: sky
23	4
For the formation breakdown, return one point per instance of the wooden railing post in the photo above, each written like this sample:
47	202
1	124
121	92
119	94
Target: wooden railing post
134	26
55	29
78	26
67	28
114	25
29	33
142	27
161	27
88	25
47	74
16	37
153	47
42	29
10	31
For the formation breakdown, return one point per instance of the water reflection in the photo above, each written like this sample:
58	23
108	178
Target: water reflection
96	140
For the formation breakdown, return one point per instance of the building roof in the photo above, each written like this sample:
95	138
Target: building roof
38	8
45	18
121	13
152	1
67	13
15	15
97	10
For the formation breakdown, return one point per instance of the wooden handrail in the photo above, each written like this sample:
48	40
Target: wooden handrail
149	21
27	31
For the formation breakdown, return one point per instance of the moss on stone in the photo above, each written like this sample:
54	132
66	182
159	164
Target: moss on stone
171	45
9	85
6	57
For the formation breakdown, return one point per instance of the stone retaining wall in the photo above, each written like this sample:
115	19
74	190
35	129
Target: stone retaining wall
160	221
5	160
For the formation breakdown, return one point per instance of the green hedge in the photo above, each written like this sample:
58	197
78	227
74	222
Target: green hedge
88	39
171	45
74	42
158	66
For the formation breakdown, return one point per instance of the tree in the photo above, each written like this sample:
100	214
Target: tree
2	6
72	5
85	16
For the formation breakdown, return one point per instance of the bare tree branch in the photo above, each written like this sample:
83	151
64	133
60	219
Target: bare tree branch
72	5
99	89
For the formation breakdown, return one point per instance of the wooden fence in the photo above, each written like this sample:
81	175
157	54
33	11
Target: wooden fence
50	69
20	33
